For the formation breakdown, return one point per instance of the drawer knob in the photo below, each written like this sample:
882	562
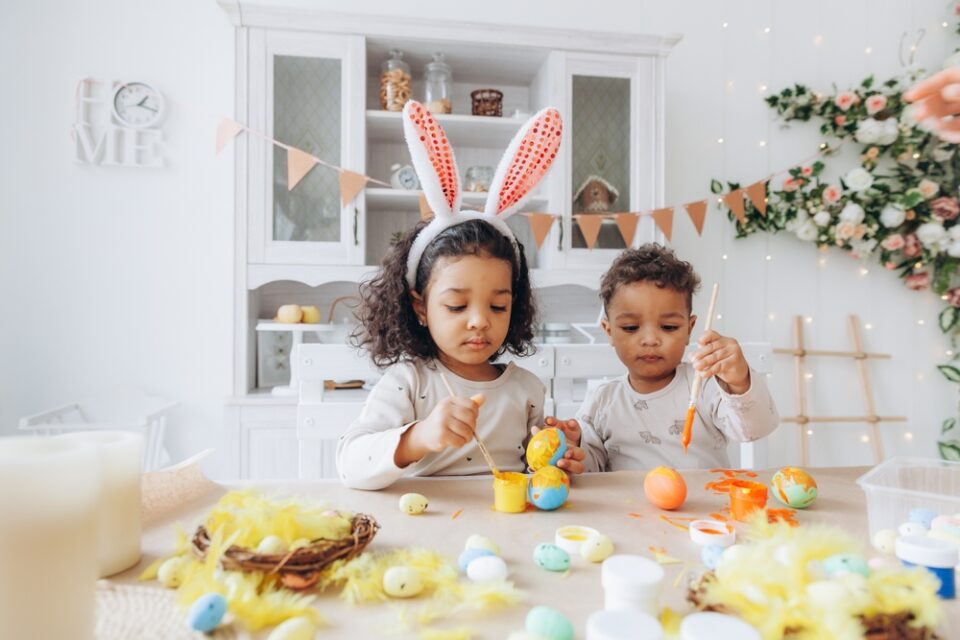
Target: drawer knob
308	361
542	362
566	360
308	422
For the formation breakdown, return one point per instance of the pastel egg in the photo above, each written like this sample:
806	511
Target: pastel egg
945	534
549	488
710	555
272	545
298	628
885	541
413	503
402	582
876	564
469	555
825	594
476	541
794	487
843	563
523	635
548	623
946	523
665	488
597	548
551	557
912	529
487	569
546	447
729	559
170	573
206	612
922	516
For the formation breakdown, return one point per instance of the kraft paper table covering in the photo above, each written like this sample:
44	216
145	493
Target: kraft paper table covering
603	501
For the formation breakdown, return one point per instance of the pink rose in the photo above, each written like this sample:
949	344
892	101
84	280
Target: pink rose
890	265
792	184
807	171
945	208
876	103
918	281
953	296
845	230
846	100
912	247
832	194
893	243
840	120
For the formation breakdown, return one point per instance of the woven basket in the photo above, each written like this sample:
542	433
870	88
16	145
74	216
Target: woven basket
487	102
300	568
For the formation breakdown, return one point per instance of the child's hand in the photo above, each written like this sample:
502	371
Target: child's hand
572	460
721	357
450	424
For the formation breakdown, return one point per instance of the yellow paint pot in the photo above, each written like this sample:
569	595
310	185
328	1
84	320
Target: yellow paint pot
510	492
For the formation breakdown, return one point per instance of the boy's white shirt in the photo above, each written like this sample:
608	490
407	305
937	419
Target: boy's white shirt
407	393
624	429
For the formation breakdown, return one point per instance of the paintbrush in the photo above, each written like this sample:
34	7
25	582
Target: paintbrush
477	400
698	377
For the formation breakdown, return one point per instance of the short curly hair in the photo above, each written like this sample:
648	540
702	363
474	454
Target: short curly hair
389	329
650	263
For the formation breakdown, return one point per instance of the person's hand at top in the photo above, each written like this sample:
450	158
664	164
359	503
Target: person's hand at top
936	101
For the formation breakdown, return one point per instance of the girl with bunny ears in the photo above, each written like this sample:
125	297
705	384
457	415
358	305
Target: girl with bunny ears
450	297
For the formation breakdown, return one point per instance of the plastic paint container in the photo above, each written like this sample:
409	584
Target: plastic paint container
631	583
623	625
939	557
572	536
746	497
708	625
510	492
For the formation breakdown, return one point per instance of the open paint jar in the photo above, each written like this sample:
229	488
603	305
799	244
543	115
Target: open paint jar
510	492
746	497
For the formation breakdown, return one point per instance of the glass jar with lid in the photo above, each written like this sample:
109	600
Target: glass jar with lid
395	82
438	85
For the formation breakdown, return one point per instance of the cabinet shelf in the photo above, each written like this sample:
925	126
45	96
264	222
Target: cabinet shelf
486	132
384	199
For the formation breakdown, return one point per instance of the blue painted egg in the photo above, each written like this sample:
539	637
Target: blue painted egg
710	555
922	516
469	555
551	557
549	488
548	623
841	563
546	448
206	612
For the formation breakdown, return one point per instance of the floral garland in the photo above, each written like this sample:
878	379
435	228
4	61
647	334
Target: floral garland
900	205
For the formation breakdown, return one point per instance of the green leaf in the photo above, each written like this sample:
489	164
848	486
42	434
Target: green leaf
950	450
948	425
912	199
715	186
867	82
949	372
948	318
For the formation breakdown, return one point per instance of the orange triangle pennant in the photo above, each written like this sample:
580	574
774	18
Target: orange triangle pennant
540	224
299	164
734	200
351	183
697	212
664	220
627	223
589	226
227	130
757	192
425	212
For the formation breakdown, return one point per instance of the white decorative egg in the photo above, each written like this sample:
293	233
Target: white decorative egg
885	540
298	628
912	529
402	582
413	503
477	541
272	545
487	569
170	573
597	548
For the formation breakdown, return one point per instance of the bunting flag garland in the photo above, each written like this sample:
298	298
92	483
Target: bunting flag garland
540	224
664	219
299	164
734	200
227	130
627	223
757	192
589	226
697	212
351	184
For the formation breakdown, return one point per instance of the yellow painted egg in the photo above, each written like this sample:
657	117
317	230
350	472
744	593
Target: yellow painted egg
170	573
272	545
597	548
549	488
298	628
665	488
794	487
413	503
546	448
289	314
402	582
476	541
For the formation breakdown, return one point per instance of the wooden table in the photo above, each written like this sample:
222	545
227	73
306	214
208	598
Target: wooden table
604	501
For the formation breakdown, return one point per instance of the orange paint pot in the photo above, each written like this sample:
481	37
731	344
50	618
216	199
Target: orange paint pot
510	492
746	497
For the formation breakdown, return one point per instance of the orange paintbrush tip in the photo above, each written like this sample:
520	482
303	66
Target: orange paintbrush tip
688	428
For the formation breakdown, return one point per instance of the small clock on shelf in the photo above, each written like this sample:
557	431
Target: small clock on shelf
404	177
137	105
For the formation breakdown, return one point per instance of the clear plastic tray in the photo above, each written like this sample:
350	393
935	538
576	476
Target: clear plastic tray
898	485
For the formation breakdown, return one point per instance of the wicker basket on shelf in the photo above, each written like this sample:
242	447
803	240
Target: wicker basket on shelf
301	567
487	102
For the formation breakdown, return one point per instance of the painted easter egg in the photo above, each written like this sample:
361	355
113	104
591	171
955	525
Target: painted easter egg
272	545
170	573
948	524
665	488
469	555
885	541
549	623
912	529
487	569
477	541
710	555
794	487
843	563
922	516
402	582
549	488
551	557
413	503
597	548
298	628
206	612
546	448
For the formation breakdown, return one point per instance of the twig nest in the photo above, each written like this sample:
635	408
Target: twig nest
206	612
272	545
298	628
402	582
597	548
413	503
487	569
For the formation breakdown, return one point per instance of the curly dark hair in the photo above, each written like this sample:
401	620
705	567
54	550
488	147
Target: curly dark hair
650	263
389	329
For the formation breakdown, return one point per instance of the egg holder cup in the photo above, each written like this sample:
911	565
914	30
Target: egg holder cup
299	568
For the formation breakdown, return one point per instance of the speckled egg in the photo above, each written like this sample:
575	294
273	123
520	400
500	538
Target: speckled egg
487	569
551	557
413	503
298	628
885	541
469	555
794	487
549	488
843	563
710	555
546	448
548	623
170	573
477	541
912	529
402	582
596	548
946	523
923	516
272	545
206	612
665	488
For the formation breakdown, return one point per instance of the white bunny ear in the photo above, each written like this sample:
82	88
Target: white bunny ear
432	158
525	162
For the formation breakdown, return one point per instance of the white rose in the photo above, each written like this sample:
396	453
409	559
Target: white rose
942	154
858	179
954	250
807	231
954	232
888	132
928	188
930	233
852	213
868	131
822	218
892	216
863	248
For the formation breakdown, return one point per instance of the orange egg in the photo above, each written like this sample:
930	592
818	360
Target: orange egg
665	488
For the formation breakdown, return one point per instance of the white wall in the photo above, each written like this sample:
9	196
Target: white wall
110	275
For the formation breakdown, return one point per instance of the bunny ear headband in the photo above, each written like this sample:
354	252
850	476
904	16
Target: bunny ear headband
524	163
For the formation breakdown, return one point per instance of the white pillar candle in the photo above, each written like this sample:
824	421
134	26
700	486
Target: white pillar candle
49	490
120	523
